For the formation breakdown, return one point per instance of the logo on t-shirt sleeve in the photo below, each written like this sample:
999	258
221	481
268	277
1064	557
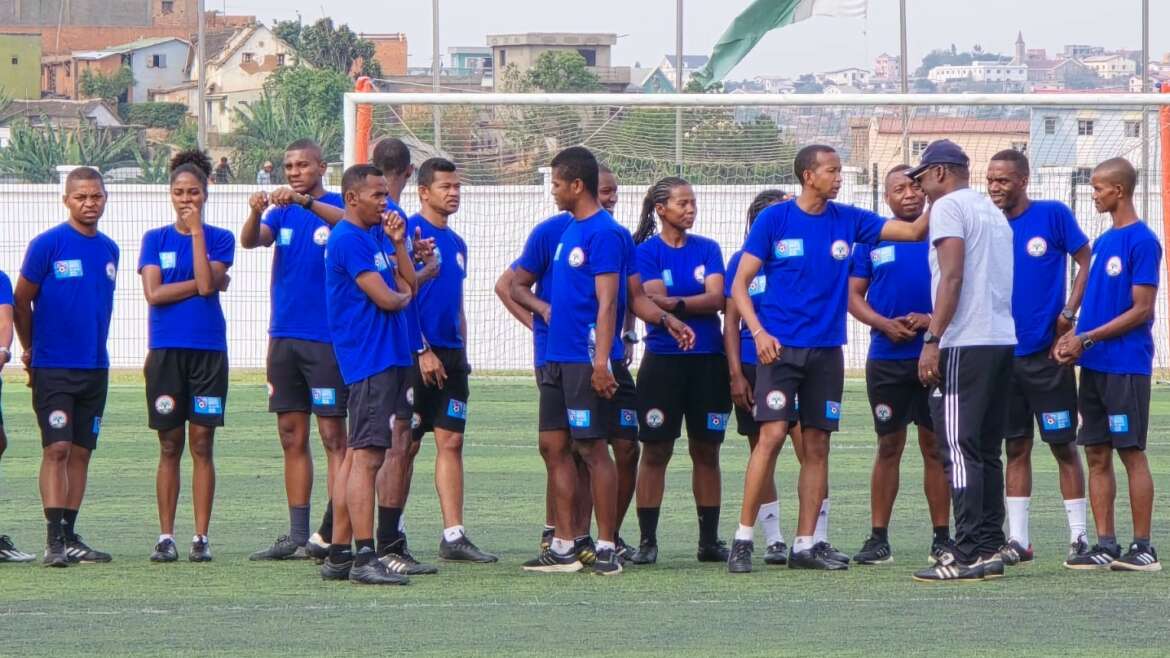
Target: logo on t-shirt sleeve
882	256
667	278
758	285
380	261
285	239
788	248
67	269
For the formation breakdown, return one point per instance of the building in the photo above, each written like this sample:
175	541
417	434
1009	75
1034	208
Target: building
389	51
774	84
20	65
649	81
690	63
469	60
58	114
887	66
1080	51
878	140
1109	67
156	63
979	72
1056	74
1081	138
521	51
853	77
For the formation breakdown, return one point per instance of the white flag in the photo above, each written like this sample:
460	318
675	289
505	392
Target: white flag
831	8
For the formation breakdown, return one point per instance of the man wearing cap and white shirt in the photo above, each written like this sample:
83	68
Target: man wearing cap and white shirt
967	356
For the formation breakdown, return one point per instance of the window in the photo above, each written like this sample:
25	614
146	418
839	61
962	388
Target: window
917	147
1082	176
1049	125
503	58
15	60
280	59
249	58
1133	128
1085	127
157	62
590	55
168	6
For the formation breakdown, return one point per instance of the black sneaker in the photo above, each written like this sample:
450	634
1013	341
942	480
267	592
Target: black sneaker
831	552
716	552
874	551
165	551
55	555
200	551
938	549
776	554
606	563
462	550
283	548
739	560
546	537
397	558
816	557
1014	553
1098	557
550	562
992	566
585	550
9	552
317	547
374	572
1138	558
948	569
331	570
624	551
1076	549
647	553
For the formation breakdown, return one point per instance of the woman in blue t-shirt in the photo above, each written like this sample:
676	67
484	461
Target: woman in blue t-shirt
184	268
683	274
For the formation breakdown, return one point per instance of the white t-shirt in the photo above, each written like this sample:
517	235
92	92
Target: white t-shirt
984	314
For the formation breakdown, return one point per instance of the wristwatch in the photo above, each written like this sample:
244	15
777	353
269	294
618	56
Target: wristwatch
1086	342
1069	314
929	338
308	202
631	337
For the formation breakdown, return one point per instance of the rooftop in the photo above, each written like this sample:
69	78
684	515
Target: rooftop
931	125
125	48
553	39
690	61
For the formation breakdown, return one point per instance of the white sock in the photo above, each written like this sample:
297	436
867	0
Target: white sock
199	538
1017	513
402	524
562	546
821	533
162	538
1075	510
802	544
744	533
769	519
453	533
603	545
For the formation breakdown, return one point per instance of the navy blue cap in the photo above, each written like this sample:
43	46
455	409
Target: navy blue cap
940	152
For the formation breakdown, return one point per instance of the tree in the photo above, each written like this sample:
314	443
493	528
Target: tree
112	88
317	93
807	84
554	71
328	47
266	126
693	86
33	152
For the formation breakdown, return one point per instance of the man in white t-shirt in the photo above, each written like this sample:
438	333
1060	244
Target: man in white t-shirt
967	357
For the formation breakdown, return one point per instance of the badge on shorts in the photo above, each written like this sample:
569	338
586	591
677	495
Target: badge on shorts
97	426
1119	424
208	405
164	404
285	239
629	418
833	410
788	248
667	278
776	400
655	418
415	421
58	419
166	260
578	418
883	412
324	397
458	409
1056	420
410	396
717	422
67	269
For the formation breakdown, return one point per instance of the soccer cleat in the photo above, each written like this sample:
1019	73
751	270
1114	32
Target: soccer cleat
938	549
585	550
9	552
624	551
874	551
817	557
317	548
397	558
716	552
165	551
55	555
1098	557
831	552
992	566
77	551
550	562
374	572
1014	553
1076	549
546	537
1138	558
948	569
776	554
200	551
739	560
647	553
284	548
331	570
607	563
462	550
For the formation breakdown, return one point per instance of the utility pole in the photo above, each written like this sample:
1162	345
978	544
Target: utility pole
678	84
201	86
435	110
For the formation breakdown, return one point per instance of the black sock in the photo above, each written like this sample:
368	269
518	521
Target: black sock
648	524
1142	542
941	533
326	529
880	533
69	520
388	518
364	553
708	525
54	523
1106	540
339	553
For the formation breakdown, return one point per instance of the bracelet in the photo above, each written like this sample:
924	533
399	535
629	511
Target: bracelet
757	332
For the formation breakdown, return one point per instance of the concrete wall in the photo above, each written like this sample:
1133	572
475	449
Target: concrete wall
21	79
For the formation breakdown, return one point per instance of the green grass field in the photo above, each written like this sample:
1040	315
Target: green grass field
679	607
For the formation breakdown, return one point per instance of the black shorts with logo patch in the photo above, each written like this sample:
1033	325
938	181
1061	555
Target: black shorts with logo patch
1044	392
896	395
446	407
303	376
185	385
672	387
816	375
745	421
375	403
568	401
69	404
1115	409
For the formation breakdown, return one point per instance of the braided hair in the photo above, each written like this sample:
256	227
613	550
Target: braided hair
659	193
764	199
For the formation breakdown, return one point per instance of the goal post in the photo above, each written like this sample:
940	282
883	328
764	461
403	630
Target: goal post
732	146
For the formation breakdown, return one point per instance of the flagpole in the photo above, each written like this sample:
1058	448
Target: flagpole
904	66
678	83
435	71
1146	111
201	89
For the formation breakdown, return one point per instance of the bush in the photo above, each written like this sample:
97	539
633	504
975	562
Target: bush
154	115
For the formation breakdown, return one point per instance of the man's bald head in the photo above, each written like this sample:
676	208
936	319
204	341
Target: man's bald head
1118	171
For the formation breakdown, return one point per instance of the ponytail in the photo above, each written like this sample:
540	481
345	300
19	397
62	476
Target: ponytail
658	193
764	199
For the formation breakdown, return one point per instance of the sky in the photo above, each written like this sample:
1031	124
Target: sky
646	28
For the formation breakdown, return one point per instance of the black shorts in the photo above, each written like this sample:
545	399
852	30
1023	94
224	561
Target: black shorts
745	421
303	376
69	404
186	385
674	386
816	375
568	401
445	408
1115	409
1043	391
625	404
896	395
374	404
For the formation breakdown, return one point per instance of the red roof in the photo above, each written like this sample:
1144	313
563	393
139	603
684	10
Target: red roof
954	125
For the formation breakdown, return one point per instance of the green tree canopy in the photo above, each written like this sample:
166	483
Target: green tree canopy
265	127
326	46
317	93
107	87
554	71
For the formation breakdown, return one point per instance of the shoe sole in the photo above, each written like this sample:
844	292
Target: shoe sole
1088	567
380	582
948	580
992	576
874	563
57	564
467	561
163	561
615	572
556	568
843	567
730	570
1125	566
776	563
199	559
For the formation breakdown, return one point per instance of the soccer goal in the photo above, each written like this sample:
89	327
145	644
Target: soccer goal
732	146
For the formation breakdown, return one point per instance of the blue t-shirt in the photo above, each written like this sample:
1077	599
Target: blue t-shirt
1122	258
899	283
747	344
71	312
588	248
197	322
537	259
439	303
298	271
684	271
410	315
1043	238
366	339
5	290
806	262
